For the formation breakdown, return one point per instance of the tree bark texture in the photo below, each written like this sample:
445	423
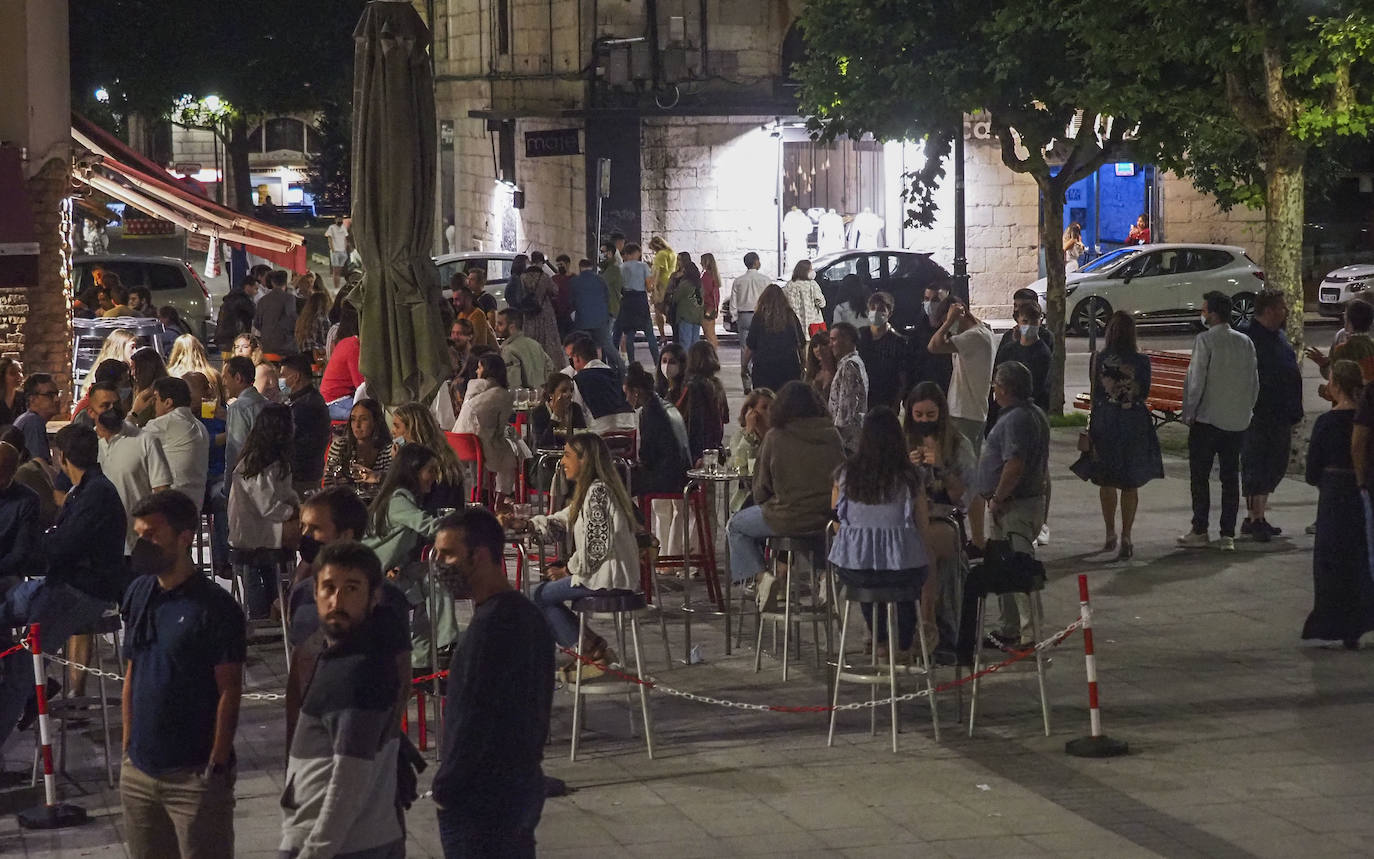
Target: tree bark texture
240	185
1052	243
1283	218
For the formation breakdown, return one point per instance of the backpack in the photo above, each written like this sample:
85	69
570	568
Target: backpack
519	296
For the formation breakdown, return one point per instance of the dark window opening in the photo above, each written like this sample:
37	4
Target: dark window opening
503	27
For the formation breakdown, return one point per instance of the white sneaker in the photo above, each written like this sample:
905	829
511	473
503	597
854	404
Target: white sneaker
767	597
1044	538
1193	540
1227	544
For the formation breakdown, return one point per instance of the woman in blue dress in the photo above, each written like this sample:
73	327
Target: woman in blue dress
883	515
1124	444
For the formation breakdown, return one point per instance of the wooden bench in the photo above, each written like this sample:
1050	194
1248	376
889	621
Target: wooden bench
1168	370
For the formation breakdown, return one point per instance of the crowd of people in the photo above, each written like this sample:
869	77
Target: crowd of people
356	526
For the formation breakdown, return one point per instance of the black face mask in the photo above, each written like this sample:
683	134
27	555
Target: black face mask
925	428
452	578
112	419
147	558
309	547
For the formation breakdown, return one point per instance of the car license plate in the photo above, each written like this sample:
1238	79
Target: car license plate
1330	295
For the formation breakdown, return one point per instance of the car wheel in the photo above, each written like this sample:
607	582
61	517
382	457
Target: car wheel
1242	308
1101	312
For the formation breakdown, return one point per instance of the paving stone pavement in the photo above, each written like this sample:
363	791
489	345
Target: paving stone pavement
1243	743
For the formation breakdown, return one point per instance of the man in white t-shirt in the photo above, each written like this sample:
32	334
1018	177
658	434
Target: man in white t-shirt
973	346
337	234
744	295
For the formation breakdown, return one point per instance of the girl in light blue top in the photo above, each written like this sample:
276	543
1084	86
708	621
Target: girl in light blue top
883	516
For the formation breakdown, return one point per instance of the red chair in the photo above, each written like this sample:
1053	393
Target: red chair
704	557
468	448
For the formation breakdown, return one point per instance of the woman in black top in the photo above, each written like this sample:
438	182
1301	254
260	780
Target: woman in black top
663	456
672	372
1342	592
556	419
775	341
703	406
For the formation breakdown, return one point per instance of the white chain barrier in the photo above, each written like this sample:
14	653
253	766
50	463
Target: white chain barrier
111	675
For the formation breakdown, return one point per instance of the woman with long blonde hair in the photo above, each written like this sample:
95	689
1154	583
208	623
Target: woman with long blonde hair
413	423
710	298
600	519
120	345
189	356
312	323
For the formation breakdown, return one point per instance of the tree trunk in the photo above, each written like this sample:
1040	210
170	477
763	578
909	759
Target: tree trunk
1284	160
1052	243
240	184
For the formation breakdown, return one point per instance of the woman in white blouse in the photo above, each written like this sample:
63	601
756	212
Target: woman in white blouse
486	413
806	298
601	521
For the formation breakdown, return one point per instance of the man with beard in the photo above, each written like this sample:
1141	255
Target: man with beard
490	788
185	645
341	774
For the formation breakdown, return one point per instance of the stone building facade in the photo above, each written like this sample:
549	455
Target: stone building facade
698	120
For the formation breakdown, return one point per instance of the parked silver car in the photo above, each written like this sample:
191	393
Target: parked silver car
496	264
1341	285
1159	283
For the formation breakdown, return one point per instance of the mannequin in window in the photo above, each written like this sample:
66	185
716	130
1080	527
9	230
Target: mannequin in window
830	233
796	229
866	230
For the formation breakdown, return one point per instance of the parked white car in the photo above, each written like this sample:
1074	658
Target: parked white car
1159	283
1341	285
496	264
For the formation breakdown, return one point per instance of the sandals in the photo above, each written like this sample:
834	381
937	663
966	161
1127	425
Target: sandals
1110	545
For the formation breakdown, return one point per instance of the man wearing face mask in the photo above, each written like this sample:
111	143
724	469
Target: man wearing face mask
1025	345
185	645
82	557
922	363
309	421
131	458
490	787
885	355
341	771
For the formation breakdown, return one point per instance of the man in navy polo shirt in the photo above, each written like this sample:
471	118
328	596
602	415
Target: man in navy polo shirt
185	643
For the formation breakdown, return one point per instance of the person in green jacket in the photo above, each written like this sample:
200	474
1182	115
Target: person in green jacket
685	306
610	272
400	528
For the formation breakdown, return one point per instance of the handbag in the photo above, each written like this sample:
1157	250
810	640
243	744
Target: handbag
1085	467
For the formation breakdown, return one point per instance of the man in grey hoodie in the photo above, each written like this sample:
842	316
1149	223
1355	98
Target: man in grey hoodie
340	794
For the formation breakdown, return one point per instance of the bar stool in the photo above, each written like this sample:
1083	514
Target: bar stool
883	599
620	605
791	546
985	581
69	706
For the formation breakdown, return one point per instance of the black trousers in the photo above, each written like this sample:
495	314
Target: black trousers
1205	444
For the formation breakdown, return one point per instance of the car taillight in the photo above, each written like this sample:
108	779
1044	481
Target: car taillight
1258	274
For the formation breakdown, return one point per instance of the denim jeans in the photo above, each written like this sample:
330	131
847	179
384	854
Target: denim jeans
1206	443
62	611
745	534
687	334
339	409
552	599
906	611
218	500
742	322
259	586
645	323
610	353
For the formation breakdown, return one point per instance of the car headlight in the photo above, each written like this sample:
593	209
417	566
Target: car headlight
1359	286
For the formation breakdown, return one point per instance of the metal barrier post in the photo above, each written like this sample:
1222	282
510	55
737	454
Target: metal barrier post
52	814
1097	744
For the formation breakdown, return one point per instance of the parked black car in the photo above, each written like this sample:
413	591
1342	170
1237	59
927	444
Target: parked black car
905	274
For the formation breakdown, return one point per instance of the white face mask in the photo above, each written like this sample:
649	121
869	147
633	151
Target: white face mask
811	275
283	387
670	371
1030	332
1205	323
929	308
878	317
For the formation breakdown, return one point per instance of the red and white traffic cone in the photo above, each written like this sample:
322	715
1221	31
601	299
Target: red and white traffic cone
1097	744
51	814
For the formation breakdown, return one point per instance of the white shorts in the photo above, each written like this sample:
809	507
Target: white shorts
338	259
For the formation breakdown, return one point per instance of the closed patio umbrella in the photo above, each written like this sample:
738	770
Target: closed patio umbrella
404	356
